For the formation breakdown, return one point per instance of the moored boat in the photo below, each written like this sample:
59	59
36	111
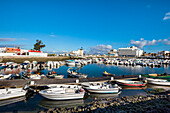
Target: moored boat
130	82
72	73
100	87
108	74
35	76
56	76
158	81
11	93
63	92
2	76
163	76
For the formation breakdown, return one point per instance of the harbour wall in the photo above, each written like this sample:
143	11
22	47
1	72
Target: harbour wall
41	82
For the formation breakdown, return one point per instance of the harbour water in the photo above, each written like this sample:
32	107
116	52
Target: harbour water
37	103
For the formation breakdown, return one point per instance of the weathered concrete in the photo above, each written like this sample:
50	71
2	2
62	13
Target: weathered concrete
21	83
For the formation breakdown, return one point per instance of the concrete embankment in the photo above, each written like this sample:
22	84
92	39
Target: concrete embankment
133	104
21	83
38	59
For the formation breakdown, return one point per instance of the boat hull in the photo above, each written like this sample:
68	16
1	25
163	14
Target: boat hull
62	96
161	77
104	91
158	82
128	83
14	94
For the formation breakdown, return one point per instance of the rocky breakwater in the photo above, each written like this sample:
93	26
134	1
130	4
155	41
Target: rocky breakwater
149	103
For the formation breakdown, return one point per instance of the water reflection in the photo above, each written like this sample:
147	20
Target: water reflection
45	103
10	101
94	70
104	95
157	86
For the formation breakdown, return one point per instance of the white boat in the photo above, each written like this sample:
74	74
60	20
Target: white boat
158	81
77	63
131	82
2	76
11	93
100	87
50	64
63	92
56	76
35	76
56	64
72	73
70	62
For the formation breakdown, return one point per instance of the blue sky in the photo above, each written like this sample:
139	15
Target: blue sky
66	25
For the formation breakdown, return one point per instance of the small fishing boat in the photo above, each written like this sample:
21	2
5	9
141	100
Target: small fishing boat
24	65
35	76
52	74
63	92
131	82
70	62
100	87
72	73
158	81
56	76
108	74
11	93
2	76
163	76
2	66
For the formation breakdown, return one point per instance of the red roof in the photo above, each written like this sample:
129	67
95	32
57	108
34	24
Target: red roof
34	51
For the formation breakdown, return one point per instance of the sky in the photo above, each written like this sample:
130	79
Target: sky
95	25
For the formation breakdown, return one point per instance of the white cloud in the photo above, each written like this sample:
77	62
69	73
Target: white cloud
139	44
167	16
152	42
142	43
100	49
167	13
7	39
52	35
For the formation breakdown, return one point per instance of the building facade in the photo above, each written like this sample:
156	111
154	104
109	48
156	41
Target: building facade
130	52
113	52
6	51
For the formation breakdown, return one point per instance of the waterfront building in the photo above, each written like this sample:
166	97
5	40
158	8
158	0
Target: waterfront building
6	51
113	52
79	52
130	52
163	54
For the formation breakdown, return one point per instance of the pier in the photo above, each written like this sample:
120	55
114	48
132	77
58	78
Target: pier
42	82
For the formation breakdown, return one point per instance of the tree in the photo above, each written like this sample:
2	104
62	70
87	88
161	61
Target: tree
38	45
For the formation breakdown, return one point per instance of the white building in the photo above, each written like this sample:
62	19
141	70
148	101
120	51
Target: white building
130	52
21	52
164	54
113	52
79	52
2	49
8	54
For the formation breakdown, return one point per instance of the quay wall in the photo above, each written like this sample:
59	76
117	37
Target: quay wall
41	82
21	59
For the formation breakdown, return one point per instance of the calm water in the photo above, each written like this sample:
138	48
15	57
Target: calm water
38	103
96	70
